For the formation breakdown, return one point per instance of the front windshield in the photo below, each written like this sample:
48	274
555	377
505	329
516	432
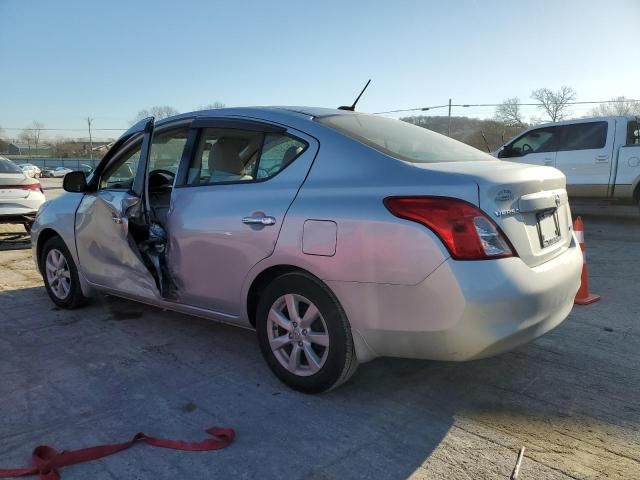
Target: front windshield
402	140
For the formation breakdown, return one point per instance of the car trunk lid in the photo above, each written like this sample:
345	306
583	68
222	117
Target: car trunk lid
15	186
529	203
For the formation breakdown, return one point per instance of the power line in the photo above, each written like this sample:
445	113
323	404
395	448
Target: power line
423	109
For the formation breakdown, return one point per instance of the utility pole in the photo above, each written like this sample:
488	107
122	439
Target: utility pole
89	122
449	128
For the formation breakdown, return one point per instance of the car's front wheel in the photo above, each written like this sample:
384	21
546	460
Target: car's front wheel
304	334
60	274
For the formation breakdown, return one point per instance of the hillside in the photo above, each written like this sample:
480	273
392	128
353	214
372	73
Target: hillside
469	130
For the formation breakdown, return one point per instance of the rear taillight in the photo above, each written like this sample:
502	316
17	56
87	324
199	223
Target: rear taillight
24	186
464	229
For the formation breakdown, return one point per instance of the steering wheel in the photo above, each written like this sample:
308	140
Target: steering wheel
162	171
526	148
161	179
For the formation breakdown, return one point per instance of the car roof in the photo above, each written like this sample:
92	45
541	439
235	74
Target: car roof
584	119
292	111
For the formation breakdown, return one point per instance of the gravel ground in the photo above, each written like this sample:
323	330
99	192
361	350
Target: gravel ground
102	373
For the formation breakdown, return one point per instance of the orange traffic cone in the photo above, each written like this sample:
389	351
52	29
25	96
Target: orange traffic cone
583	297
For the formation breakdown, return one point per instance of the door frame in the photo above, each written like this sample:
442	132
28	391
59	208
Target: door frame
138	214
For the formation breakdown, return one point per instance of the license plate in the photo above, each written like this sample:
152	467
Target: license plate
548	228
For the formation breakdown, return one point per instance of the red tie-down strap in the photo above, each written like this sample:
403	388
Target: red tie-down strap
47	460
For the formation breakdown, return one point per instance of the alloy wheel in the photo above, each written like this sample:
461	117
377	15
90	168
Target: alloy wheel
58	273
298	335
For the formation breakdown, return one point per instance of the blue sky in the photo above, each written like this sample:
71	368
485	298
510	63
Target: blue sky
64	60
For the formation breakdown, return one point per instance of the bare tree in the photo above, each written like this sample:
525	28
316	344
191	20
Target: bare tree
25	137
36	128
212	106
31	135
158	112
509	112
622	106
554	104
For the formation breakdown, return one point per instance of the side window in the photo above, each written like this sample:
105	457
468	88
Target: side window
583	136
120	175
225	155
633	133
231	156
166	151
278	152
539	140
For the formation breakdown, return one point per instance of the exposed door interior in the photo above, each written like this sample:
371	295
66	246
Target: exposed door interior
149	230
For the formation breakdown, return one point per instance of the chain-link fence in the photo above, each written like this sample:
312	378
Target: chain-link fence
52	162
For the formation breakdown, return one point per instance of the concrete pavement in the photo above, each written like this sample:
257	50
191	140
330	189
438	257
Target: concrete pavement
102	373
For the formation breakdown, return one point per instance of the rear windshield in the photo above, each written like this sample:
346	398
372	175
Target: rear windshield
402	140
7	166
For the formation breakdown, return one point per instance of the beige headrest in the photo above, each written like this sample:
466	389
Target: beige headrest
225	157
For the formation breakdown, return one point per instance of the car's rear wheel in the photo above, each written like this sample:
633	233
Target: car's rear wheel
60	274
304	334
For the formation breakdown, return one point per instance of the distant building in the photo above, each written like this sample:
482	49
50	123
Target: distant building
76	148
8	148
26	149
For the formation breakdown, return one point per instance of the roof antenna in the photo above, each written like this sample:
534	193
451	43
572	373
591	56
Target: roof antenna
352	108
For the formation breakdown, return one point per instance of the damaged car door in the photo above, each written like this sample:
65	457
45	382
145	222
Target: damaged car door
117	237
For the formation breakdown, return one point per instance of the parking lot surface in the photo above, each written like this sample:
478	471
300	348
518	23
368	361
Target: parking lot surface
101	373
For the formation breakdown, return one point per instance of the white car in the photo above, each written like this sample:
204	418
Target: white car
60	171
31	170
20	196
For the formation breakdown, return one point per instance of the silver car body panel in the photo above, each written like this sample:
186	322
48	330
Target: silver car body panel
210	249
106	257
58	217
403	294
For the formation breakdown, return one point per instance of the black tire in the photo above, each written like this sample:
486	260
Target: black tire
74	297
340	361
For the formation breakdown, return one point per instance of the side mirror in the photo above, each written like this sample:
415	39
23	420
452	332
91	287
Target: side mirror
74	182
505	152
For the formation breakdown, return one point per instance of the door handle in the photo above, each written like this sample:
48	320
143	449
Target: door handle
548	161
256	220
602	158
116	219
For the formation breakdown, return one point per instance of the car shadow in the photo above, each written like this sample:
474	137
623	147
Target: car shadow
119	367
15	240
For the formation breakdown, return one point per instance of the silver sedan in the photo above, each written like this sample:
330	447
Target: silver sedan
338	236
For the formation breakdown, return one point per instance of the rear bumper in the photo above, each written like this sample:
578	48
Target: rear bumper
16	213
463	310
14	210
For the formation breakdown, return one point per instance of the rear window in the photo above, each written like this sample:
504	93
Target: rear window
583	136
402	140
7	166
